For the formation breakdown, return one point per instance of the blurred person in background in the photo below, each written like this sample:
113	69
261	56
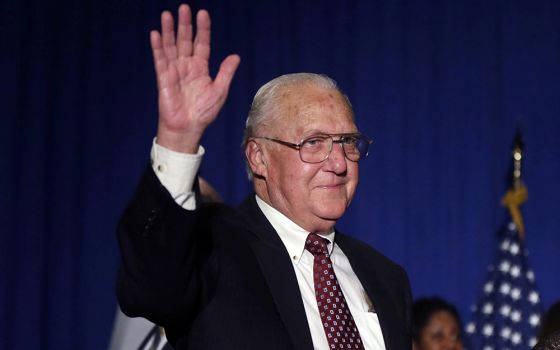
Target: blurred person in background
550	342
549	337
551	321
436	325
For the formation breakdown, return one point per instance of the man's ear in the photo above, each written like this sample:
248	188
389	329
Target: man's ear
256	158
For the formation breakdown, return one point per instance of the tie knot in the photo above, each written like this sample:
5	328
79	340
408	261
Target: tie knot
316	245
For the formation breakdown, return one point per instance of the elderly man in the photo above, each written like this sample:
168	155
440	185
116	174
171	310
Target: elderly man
273	273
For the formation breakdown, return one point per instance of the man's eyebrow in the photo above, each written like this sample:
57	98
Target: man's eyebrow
317	132
314	132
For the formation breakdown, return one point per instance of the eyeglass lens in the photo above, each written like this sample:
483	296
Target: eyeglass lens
317	148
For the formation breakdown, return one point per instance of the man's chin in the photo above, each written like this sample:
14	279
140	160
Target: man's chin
332	215
324	221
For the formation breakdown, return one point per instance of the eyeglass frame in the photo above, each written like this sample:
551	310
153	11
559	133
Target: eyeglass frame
298	146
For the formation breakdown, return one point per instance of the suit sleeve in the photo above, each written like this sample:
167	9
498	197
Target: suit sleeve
164	250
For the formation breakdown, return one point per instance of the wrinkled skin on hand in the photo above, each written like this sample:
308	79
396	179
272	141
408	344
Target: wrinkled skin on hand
188	99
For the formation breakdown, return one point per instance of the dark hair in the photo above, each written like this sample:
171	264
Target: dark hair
551	321
550	342
424	308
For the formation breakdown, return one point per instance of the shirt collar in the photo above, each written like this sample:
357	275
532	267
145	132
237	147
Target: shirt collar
292	235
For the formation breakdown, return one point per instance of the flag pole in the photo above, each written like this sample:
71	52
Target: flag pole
518	193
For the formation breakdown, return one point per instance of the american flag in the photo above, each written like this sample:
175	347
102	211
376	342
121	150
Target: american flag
508	314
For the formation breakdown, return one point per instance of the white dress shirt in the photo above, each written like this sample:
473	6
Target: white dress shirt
177	172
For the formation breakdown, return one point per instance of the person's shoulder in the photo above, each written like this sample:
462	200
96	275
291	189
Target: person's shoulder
362	250
222	214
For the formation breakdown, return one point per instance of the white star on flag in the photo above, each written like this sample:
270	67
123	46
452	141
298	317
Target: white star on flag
505	333
505	310
504	266
488	330
534	320
515	271
534	297
532	342
516	338
514	249
487	308
515	293
504	288
516	316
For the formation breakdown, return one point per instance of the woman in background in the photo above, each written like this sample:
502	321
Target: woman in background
436	325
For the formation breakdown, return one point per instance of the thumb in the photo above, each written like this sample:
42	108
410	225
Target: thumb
226	72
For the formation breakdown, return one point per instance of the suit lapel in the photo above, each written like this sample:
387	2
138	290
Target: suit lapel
278	270
374	287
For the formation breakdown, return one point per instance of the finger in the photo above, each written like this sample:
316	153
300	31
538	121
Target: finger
160	61
184	32
202	39
168	35
226	72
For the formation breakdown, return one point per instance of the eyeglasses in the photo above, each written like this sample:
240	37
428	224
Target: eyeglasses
317	148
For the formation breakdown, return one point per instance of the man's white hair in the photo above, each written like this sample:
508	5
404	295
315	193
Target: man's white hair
266	101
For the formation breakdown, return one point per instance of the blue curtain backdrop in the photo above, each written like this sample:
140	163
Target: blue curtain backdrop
439	85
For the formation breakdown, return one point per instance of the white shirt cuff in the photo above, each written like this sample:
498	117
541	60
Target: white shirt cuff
177	172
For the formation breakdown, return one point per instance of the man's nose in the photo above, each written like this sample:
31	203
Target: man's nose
337	159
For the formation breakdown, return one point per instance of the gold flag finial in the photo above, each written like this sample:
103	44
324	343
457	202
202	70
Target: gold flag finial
518	194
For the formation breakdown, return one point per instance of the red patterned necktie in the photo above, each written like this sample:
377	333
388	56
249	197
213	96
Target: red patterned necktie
338	323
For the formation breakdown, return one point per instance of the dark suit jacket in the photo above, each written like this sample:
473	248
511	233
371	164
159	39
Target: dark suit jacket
221	278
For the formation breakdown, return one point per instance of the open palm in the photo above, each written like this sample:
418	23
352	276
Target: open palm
189	100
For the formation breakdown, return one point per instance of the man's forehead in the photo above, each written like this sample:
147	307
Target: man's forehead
304	110
308	125
301	100
300	93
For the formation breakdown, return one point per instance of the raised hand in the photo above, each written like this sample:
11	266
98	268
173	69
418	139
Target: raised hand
189	100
